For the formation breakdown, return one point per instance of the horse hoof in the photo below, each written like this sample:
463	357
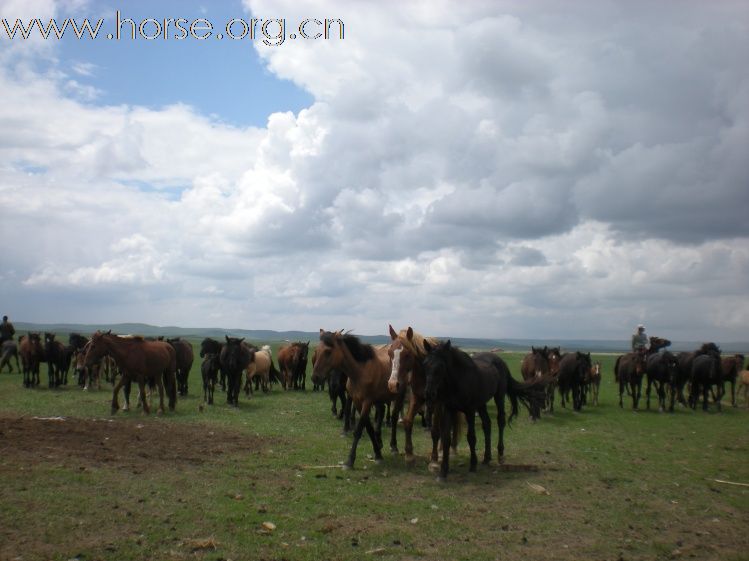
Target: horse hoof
410	459
441	479
114	411
394	450
347	467
433	466
378	461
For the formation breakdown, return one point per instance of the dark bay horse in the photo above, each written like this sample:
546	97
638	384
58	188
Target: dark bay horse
706	372
58	359
234	358
662	369
209	370
211	346
535	364
730	368
457	382
574	370
368	371
185	358
628	371
141	361
292	362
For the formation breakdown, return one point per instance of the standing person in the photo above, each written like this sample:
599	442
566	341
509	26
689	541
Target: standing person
640	341
6	330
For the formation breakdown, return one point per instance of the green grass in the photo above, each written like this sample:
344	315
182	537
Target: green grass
621	484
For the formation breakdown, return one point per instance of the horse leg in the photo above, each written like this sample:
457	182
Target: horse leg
471	437
660	387
394	422
347	415
117	386
445	435
408	425
486	428
363	421
160	386
647	392
379	418
501	422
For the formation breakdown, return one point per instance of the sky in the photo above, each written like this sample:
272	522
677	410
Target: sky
498	169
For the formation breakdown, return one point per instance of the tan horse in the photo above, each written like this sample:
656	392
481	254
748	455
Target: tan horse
368	370
743	384
139	360
261	365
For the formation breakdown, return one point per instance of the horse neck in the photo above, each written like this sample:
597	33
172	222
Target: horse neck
117	348
354	369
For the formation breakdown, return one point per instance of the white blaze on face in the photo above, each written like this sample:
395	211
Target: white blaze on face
395	367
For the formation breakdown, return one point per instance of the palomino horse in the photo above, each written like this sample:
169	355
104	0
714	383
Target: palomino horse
457	382
743	378
152	362
260	368
407	354
368	370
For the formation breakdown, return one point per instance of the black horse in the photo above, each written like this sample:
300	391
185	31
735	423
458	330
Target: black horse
234	358
210	346
209	369
706	372
662	371
574	369
457	382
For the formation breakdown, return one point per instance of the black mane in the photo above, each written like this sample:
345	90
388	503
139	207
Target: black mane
361	352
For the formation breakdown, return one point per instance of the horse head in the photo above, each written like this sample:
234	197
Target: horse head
436	368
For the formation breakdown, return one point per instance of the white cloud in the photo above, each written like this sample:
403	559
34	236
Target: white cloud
472	169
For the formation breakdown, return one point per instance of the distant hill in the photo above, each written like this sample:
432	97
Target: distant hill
592	345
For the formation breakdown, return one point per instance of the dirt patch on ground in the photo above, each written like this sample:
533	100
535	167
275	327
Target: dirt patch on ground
118	444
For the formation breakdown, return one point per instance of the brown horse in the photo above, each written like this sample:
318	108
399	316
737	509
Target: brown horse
743	378
730	368
594	382
292	359
535	364
368	371
32	352
139	360
407	354
185	358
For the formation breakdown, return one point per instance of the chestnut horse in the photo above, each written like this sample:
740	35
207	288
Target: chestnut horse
730	366
407	354
152	362
368	370
31	350
292	362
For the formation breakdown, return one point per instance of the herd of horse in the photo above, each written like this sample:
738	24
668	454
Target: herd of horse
444	384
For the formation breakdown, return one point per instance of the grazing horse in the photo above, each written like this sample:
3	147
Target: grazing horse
185	358
574	370
594	381
209	370
730	368
629	370
706	372
8	350
457	382
31	350
234	359
407	354
152	362
261	369
368	370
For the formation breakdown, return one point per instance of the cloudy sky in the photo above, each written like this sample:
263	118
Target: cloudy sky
497	169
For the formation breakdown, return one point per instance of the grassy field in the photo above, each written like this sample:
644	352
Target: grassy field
263	482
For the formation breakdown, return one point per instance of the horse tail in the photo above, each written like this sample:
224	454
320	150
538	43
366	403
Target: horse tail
531	394
275	376
616	367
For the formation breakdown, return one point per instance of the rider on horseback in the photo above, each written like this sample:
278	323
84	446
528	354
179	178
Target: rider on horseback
640	340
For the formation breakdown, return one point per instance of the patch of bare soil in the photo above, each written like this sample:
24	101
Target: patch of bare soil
119	444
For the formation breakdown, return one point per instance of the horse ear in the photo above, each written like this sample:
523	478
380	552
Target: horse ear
427	346
410	333
448	345
109	332
393	334
322	332
227	338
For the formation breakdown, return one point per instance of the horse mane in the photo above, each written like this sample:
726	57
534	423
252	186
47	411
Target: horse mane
361	352
416	344
708	349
